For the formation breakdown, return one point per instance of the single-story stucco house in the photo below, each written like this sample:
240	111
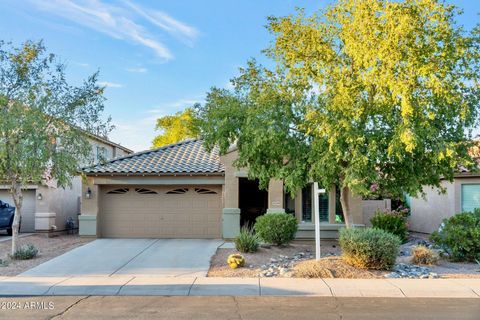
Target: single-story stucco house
45	205
462	195
183	191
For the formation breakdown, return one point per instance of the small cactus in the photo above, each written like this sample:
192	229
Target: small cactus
236	260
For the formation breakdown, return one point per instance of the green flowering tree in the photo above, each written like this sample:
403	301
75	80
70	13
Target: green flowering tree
367	95
42	121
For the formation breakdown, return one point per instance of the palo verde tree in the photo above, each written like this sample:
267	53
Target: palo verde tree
365	95
175	128
43	121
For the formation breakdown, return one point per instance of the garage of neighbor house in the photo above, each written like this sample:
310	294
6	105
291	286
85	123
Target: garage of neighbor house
28	208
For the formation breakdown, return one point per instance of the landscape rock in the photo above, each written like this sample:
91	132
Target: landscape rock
411	271
283	265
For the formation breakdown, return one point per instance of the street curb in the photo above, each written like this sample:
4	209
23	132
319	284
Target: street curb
202	286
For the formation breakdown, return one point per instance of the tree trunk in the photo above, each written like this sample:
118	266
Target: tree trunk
347	214
17	196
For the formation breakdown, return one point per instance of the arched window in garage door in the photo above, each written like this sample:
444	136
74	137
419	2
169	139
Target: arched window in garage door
145	191
204	191
178	191
118	191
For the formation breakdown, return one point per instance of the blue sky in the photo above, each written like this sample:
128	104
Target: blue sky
155	57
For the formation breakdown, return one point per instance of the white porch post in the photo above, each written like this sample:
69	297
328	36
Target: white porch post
316	209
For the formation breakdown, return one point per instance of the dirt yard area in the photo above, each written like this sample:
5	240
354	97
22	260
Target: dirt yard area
48	248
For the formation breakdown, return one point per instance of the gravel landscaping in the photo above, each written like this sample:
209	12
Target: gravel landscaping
297	260
48	248
269	261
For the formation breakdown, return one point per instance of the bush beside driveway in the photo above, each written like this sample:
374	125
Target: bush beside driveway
48	248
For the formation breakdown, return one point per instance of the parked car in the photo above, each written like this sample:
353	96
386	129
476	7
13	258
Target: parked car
6	217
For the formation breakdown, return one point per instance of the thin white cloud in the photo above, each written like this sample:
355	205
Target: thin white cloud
82	64
137	70
110	84
174	106
138	134
166	22
120	21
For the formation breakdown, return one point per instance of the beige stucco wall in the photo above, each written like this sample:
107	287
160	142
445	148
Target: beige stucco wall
370	207
111	151
62	202
427	213
58	204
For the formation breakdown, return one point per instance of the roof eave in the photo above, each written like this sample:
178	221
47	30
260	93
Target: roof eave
136	174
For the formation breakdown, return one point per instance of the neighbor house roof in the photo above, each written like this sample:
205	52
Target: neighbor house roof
106	141
186	157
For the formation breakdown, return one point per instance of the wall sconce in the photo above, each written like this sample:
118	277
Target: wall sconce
88	193
39	196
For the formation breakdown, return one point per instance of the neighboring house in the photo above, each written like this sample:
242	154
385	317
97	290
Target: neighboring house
182	191
462	195
47	205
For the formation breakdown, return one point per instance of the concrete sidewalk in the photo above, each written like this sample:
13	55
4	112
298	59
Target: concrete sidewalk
201	286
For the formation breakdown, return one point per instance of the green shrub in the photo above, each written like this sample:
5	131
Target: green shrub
459	236
276	228
369	248
247	240
393	222
25	252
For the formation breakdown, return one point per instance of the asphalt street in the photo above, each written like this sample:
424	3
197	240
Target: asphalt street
219	308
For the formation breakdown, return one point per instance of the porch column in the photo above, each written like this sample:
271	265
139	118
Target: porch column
231	210
88	221
44	218
275	197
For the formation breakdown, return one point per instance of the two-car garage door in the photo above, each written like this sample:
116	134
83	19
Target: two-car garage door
160	211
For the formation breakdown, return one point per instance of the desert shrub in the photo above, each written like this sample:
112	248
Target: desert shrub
424	255
276	228
25	252
329	267
391	221
235	261
369	248
312	269
247	240
459	236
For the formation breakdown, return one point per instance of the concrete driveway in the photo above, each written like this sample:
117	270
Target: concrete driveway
132	257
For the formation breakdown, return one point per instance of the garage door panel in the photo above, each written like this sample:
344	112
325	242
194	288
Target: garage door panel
162	215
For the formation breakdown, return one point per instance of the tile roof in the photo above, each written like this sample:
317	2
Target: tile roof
189	156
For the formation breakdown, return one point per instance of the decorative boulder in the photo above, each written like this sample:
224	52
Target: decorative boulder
236	261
